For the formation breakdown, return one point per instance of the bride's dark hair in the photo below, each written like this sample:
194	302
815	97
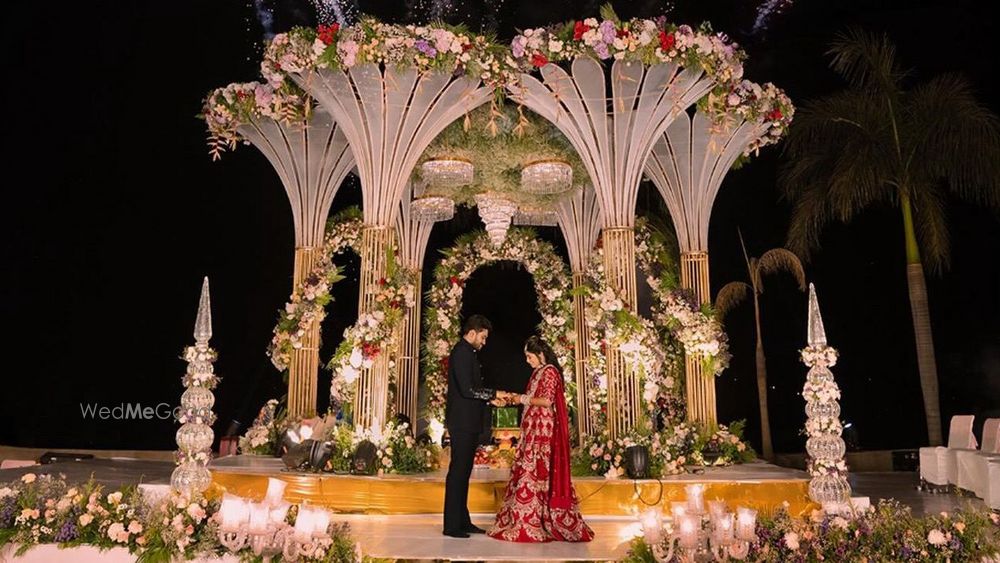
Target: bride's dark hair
536	345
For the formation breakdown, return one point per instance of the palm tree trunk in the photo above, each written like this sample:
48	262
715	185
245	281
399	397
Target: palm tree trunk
765	421
922	327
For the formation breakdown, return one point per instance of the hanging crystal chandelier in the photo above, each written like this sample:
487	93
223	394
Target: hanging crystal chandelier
496	212
547	177
447	172
536	217
431	209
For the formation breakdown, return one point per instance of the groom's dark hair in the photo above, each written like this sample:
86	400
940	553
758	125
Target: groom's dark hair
476	323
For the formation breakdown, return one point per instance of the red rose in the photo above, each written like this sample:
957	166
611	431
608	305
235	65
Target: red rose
394	304
370	350
621	33
579	29
327	33
667	41
775	115
454	280
539	60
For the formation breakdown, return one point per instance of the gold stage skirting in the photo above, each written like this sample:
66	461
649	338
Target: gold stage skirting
421	495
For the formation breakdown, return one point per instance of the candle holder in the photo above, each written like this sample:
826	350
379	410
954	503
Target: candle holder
694	536
262	525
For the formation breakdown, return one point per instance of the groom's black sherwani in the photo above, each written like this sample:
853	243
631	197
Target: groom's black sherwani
466	416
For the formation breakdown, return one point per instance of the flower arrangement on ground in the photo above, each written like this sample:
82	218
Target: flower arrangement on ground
887	532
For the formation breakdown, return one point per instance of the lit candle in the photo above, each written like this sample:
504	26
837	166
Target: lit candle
696	498
321	520
746	523
279	512
275	491
259	514
305	523
652	525
724	527
677	509
716	508
688	531
229	513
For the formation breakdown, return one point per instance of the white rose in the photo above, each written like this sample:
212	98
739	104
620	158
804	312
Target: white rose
936	537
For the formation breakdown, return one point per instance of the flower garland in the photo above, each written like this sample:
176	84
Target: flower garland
42	509
226	108
445	302
372	334
887	532
309	300
433	47
262	436
656	41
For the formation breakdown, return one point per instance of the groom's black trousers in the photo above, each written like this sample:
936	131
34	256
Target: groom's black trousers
456	488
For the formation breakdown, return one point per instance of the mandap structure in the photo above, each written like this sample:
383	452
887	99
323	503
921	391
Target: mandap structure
614	99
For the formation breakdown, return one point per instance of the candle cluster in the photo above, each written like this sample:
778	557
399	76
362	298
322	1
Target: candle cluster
697	532
264	525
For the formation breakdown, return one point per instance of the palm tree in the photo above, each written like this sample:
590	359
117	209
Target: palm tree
882	141
733	293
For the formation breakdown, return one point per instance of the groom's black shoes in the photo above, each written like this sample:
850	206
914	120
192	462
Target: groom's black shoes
456	534
471	529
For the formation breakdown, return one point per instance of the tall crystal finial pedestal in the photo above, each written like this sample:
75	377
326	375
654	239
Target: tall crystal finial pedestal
825	447
194	438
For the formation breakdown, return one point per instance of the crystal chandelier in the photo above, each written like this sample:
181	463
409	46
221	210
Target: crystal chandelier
447	172
547	177
496	212
431	209
535	216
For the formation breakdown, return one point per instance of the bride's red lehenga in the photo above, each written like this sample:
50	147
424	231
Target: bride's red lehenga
539	504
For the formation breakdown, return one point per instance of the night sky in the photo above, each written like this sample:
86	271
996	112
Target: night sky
113	212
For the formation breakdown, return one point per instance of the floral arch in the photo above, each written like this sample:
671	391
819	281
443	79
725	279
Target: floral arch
552	287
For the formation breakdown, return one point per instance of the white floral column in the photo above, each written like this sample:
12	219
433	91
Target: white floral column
825	446
613	123
580	222
194	438
687	164
312	158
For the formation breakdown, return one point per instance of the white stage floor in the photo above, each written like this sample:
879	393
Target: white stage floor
418	536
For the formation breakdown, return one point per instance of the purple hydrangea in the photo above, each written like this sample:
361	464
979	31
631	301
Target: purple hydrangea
602	51
67	532
425	47
607	29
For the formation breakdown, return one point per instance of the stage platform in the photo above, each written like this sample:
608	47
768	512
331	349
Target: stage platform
758	485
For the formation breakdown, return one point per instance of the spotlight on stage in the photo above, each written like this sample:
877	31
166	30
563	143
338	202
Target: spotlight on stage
636	462
364	459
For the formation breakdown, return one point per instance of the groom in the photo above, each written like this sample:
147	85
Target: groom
466	417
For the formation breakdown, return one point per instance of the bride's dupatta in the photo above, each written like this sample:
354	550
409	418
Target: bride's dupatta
567	522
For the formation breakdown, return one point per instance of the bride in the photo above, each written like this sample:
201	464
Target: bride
539	503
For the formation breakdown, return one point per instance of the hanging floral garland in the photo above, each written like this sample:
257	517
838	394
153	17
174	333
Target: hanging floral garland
654	349
370	336
552	286
309	300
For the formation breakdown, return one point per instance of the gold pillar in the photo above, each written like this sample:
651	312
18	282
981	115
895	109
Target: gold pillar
700	387
303	368
408	360
371	394
624	394
582	354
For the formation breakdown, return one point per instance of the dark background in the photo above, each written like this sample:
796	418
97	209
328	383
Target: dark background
113	212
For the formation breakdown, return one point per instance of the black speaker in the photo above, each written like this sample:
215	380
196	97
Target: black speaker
56	457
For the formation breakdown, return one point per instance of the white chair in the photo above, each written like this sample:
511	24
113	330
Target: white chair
937	467
992	495
973	472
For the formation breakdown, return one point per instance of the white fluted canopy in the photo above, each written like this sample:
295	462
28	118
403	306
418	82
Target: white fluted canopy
580	222
312	159
613	123
688	164
389	117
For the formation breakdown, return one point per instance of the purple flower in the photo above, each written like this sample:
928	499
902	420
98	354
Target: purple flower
425	47
67	532
607	29
7	512
517	46
602	51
